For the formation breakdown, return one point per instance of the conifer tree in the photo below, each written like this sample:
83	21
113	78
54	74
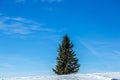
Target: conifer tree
67	62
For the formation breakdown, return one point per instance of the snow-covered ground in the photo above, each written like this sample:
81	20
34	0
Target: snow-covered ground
93	76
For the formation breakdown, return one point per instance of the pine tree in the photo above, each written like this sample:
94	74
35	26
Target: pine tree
67	63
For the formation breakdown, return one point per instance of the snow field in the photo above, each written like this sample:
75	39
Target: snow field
93	76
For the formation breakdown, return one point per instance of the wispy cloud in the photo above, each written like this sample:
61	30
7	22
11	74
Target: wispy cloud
19	1
90	48
117	53
49	1
106	44
21	26
6	65
0	14
109	49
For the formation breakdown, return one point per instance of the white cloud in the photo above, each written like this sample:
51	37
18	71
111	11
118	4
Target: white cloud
0	14
49	1
90	48
6	65
116	53
21	26
104	48
20	1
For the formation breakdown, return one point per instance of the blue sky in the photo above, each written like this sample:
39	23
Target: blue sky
31	30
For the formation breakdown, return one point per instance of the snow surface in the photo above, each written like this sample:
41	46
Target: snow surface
93	76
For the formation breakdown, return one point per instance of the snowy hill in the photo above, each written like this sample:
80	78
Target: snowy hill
93	76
